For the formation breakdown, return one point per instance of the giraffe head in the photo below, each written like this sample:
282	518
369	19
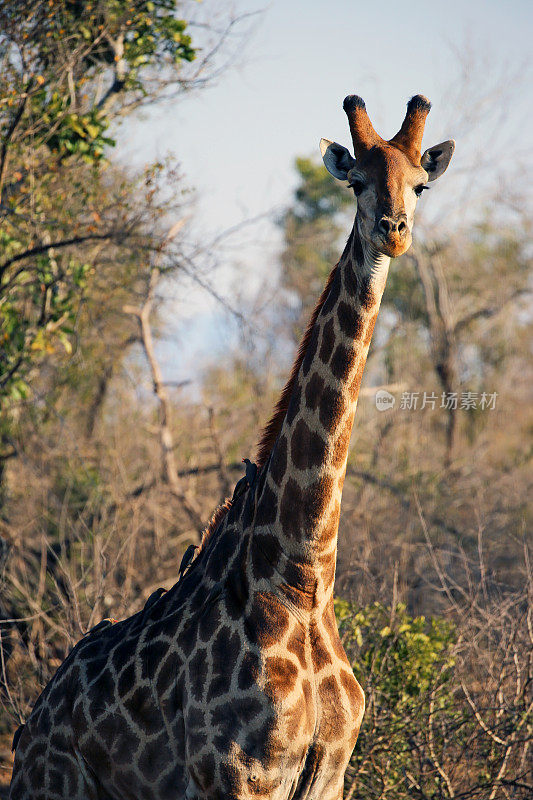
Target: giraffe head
387	177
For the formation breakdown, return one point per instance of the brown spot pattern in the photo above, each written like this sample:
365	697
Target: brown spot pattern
353	692
328	341
313	392
333	717
308	449
332	408
296	645
279	463
281	676
367	296
356	382
341	444
319	652
341	361
302	507
370	330
350	322
267	507
267	620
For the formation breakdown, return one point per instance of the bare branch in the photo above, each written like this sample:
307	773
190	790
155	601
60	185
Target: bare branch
43	248
9	133
490	311
160	390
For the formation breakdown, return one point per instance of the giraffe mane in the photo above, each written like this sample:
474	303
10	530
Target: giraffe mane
271	430
217	517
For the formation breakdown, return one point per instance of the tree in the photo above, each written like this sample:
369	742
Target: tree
312	227
68	70
453	289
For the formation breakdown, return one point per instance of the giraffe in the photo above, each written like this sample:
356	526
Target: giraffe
234	684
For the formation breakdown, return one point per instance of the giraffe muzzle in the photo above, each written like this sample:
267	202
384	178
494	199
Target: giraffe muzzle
392	235
388	226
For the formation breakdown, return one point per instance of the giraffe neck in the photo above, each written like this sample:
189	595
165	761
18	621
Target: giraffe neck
303	480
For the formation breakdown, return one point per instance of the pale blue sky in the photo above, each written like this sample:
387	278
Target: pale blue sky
237	140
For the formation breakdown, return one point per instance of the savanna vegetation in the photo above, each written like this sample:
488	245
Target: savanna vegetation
108	473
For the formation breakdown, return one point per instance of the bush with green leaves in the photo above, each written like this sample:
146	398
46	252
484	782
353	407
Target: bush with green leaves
437	724
404	664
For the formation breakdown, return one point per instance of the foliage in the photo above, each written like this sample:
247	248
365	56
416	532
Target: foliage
422	735
405	651
404	663
312	228
68	68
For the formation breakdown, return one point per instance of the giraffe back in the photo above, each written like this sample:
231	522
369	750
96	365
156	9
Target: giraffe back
223	688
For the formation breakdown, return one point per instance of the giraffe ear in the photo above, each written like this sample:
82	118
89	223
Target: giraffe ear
337	159
436	159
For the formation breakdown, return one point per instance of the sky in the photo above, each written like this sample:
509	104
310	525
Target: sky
237	139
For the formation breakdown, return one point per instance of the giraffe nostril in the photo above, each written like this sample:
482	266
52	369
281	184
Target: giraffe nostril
384	226
387	226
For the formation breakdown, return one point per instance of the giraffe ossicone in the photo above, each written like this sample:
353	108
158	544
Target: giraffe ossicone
234	683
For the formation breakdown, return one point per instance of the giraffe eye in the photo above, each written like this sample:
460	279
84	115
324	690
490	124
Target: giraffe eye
419	189
357	186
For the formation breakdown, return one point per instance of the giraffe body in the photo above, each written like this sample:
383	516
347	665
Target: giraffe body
234	684
225	676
